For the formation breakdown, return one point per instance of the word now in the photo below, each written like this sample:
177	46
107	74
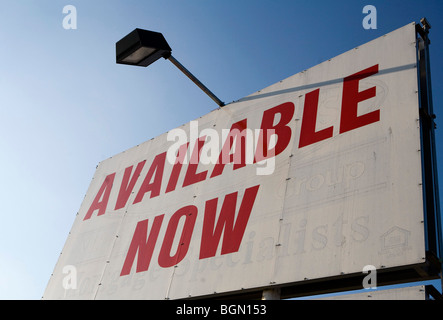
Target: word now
232	232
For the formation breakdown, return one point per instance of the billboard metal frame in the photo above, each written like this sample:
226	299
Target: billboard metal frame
420	292
429	156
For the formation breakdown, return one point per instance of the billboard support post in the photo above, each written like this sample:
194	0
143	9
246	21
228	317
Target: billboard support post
271	294
428	125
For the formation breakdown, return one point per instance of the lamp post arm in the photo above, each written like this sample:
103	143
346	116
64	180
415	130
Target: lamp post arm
195	80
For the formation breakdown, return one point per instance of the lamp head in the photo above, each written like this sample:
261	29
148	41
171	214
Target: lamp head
141	48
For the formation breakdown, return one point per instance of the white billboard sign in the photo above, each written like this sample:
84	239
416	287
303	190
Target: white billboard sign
315	176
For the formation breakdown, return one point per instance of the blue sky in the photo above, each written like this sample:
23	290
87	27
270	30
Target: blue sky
65	105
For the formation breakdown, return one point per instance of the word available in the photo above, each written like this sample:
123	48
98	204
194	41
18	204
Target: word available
224	216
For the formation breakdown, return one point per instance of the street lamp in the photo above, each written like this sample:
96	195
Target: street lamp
143	47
